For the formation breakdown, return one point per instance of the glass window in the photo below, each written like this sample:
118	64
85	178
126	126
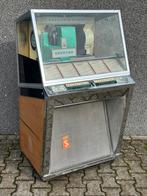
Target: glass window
80	44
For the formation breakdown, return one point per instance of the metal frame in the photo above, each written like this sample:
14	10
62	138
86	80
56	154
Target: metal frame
80	78
17	61
54	102
31	85
128	80
80	166
22	17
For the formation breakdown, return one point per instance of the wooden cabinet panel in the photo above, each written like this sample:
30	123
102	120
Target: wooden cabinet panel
32	112
31	146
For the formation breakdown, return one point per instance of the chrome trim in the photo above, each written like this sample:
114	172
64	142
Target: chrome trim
72	104
108	128
80	166
123	40
31	85
17	61
85	78
38	46
62	11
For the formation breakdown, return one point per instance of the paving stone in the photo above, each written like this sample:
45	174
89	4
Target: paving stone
23	188
140	146
2	164
127	137
26	173
91	173
105	168
11	167
142	191
126	145
58	188
1	169
12	137
141	180
75	180
5	143
112	191
145	168
3	156
6	192
63	177
109	181
128	171
15	155
122	173
139	137
76	191
24	163
4	149
39	183
15	145
3	137
135	167
131	157
93	188
41	192
131	150
118	161
143	158
7	181
128	188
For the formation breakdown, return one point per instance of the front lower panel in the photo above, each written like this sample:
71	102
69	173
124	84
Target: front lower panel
79	135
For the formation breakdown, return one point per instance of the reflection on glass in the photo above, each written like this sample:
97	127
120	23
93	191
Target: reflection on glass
74	45
51	72
113	65
83	68
99	66
67	70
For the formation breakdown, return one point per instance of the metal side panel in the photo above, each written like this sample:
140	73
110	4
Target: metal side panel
115	111
79	135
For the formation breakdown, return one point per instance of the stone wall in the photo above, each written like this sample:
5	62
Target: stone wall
134	15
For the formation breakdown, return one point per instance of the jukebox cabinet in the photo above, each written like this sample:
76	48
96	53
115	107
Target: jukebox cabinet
75	88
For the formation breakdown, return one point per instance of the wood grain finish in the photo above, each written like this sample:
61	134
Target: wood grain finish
31	146
32	112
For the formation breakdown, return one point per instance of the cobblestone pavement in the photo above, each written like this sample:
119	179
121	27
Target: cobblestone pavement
125	176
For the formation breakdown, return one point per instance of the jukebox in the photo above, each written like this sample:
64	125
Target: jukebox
75	88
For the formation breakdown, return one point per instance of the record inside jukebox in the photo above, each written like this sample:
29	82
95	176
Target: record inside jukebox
75	88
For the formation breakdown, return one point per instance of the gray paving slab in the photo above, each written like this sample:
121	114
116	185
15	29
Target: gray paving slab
125	176
134	21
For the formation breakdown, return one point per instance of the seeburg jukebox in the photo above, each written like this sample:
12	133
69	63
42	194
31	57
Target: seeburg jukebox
75	88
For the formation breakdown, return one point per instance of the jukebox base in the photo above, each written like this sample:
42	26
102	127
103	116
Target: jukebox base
65	133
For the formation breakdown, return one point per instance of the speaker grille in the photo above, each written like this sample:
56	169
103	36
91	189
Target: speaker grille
79	136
